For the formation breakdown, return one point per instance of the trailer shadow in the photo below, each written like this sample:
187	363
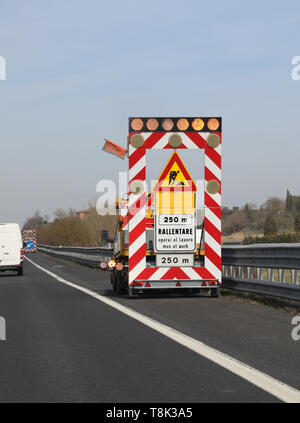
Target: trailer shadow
151	295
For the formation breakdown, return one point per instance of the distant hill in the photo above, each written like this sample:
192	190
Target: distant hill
238	223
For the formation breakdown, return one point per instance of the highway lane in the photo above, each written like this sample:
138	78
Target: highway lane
255	334
63	345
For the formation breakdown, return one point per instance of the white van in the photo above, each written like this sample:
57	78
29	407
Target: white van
11	248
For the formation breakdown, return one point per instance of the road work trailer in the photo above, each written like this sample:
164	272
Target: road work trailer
165	241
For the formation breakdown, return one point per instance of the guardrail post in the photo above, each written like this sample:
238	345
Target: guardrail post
294	276
281	275
240	272
248	272
271	274
259	273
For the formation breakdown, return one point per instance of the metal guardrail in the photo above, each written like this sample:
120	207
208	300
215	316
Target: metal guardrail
258	268
269	269
83	255
273	289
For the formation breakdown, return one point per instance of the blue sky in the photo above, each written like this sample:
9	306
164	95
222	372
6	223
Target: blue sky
77	69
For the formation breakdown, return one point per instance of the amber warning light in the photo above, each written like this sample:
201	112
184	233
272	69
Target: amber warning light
115	149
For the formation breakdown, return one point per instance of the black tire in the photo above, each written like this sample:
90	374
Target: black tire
120	283
20	271
113	281
131	292
214	292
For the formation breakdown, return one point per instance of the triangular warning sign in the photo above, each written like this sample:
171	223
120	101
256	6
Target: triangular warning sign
175	177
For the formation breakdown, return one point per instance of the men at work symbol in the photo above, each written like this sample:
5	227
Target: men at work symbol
172	177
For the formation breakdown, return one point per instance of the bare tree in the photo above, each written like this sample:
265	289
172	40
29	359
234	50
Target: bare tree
33	222
274	206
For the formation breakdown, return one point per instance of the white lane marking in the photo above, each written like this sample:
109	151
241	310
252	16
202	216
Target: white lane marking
261	380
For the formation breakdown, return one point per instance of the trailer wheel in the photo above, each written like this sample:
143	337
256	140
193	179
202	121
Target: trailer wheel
214	292
113	281
131	292
120	288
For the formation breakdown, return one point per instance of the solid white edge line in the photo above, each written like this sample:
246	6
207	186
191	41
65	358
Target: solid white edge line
267	383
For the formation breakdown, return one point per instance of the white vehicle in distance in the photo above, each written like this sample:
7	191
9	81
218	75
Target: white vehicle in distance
11	248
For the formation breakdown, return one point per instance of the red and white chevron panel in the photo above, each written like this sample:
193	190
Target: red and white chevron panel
188	276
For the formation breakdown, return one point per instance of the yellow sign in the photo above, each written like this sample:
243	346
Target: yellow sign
175	202
175	177
175	189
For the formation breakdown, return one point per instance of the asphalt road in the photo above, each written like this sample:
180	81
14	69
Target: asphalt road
65	346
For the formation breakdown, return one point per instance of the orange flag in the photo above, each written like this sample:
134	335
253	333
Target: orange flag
115	149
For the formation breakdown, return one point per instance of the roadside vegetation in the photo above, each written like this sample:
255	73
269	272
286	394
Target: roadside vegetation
68	229
276	221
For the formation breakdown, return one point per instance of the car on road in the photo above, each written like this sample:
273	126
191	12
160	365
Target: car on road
11	248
